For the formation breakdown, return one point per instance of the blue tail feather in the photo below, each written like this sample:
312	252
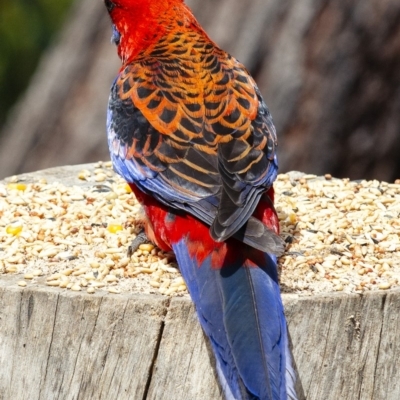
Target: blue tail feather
240	310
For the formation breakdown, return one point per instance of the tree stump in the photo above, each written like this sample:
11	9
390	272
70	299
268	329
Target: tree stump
56	345
59	344
329	71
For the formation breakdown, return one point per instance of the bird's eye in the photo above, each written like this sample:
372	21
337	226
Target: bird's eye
109	4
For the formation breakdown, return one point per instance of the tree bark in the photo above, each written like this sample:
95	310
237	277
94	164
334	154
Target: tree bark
62	117
329	71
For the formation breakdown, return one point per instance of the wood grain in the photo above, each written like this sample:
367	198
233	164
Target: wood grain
184	366
69	346
64	345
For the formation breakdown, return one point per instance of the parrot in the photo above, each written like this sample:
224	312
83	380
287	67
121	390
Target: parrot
190	133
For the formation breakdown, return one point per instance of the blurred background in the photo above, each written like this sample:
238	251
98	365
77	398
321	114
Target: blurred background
26	29
329	71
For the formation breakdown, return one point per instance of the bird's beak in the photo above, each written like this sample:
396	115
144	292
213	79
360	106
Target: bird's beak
116	36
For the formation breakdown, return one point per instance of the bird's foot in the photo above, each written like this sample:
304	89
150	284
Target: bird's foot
141	238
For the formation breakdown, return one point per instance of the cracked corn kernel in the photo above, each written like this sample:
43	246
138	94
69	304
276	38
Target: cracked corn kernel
14	229
17	186
114	228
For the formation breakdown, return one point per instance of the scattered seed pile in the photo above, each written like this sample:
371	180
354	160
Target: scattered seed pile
341	235
76	237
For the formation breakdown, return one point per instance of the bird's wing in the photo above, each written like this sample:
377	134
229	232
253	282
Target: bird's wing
188	125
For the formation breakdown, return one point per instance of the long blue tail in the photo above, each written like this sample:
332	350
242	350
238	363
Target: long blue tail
240	310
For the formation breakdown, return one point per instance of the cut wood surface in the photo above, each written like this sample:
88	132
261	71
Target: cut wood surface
60	344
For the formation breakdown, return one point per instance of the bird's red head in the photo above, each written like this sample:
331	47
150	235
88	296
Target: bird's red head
140	6
140	23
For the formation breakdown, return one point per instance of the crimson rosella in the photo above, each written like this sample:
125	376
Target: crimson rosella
189	131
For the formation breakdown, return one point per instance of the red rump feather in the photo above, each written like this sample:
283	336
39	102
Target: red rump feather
165	228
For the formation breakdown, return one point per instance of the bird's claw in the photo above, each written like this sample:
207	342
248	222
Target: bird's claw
141	238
